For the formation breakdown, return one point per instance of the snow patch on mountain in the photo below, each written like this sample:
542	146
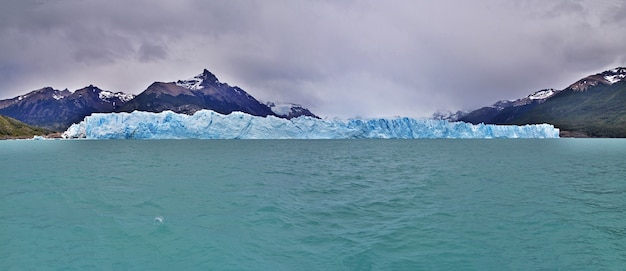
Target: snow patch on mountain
193	84
503	104
106	96
239	91
207	124
282	109
615	75
607	77
289	110
615	78
583	85
542	94
198	81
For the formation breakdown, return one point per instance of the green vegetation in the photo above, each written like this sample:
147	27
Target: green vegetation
12	128
599	111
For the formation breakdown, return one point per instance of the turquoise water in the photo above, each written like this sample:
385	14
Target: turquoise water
313	205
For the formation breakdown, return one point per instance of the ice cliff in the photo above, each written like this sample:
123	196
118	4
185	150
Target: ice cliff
207	124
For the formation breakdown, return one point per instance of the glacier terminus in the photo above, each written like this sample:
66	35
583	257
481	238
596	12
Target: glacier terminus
207	124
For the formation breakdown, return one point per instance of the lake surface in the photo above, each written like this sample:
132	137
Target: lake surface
512	204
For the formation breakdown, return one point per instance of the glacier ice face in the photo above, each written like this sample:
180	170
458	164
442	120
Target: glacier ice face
207	124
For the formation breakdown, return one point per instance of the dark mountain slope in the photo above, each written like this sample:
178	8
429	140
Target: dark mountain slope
204	91
599	111
57	110
593	106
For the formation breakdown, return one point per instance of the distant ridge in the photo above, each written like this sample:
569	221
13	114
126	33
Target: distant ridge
594	106
203	91
289	110
58	109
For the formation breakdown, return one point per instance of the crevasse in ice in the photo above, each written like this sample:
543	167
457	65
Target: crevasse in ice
207	124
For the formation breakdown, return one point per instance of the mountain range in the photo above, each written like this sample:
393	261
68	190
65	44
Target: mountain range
594	106
58	109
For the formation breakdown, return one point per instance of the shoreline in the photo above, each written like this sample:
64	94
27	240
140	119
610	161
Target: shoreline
55	135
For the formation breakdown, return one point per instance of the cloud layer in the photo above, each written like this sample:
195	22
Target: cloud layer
340	58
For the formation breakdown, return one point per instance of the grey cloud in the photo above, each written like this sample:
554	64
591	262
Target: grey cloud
619	13
95	44
567	8
151	52
339	57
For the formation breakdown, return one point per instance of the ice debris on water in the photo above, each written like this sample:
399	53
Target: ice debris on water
207	124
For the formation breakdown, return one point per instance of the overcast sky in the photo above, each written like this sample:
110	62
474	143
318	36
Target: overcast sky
340	58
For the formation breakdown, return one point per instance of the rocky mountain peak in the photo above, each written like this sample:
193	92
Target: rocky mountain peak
205	79
45	93
90	88
207	76
615	75
606	78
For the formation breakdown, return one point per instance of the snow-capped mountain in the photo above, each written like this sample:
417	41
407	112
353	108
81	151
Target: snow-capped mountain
289	110
111	97
488	113
40	94
58	109
543	94
203	91
592	106
198	82
609	77
537	97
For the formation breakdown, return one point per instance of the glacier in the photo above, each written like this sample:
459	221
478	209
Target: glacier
207	124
